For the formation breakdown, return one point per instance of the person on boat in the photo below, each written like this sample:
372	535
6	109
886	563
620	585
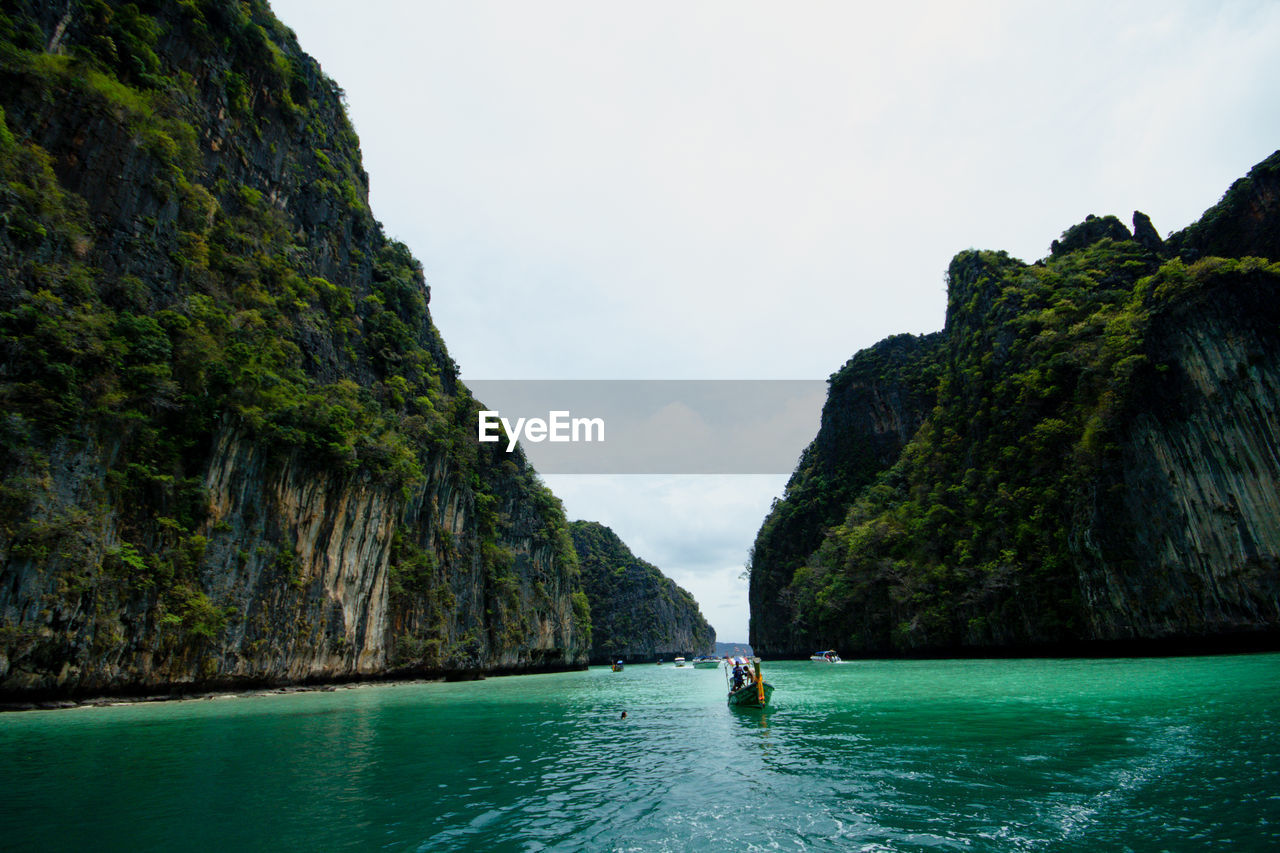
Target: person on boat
737	676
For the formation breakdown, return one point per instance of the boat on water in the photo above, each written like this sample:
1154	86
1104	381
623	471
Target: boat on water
829	656
679	661
747	687
617	667
706	663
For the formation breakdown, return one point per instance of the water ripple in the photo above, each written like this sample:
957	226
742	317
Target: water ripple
885	756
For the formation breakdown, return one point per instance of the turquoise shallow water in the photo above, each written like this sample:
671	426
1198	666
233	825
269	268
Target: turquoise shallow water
1141	755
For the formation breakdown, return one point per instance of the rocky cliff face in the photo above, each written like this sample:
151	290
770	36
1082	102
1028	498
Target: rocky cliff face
637	613
233	447
1095	460
876	402
1184	535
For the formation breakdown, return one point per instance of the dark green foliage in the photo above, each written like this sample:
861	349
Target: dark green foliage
417	583
243	337
120	39
582	615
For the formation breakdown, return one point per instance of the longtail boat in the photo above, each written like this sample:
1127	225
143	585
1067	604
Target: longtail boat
754	693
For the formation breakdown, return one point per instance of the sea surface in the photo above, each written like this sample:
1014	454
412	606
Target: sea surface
1089	755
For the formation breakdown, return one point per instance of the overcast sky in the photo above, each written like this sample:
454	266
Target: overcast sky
745	190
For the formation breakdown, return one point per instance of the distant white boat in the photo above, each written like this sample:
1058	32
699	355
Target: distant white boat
828	656
679	661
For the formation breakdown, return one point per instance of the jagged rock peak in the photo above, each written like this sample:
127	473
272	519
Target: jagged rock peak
973	284
1145	234
1245	222
1093	229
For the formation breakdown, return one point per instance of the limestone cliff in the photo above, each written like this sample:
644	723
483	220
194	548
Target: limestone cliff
1095	463
1183	532
875	403
233	447
637	613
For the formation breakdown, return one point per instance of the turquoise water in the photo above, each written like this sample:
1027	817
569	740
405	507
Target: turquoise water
1141	755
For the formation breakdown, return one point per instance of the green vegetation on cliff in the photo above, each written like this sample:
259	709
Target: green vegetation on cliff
637	613
188	265
195	294
881	395
1004	520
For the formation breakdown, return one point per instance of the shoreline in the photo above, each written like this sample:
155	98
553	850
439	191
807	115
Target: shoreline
53	700
1244	642
109	700
49	702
